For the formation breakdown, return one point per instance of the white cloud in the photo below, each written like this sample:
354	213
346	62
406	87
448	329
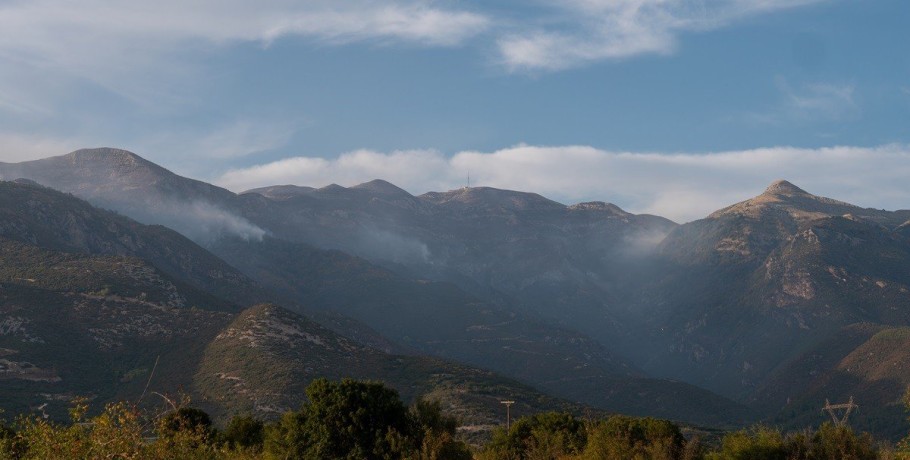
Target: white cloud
809	102
678	186
417	169
149	52
139	49
232	140
593	30
820	100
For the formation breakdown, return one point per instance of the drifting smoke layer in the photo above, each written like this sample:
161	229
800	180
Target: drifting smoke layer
200	221
204	222
385	245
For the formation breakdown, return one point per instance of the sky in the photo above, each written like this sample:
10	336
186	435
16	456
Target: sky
671	107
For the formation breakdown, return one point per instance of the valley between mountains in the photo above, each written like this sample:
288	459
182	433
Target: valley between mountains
116	274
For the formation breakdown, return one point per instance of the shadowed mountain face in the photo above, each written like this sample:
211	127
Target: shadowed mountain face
124	182
520	247
440	319
755	284
93	304
423	316
46	218
770	301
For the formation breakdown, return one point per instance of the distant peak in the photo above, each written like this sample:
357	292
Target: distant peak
782	187
381	186
599	206
110	156
104	152
491	198
332	188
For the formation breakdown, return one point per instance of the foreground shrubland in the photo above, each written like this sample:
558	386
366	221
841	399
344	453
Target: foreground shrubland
365	420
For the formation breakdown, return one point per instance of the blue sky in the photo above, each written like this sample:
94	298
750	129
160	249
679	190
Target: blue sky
576	99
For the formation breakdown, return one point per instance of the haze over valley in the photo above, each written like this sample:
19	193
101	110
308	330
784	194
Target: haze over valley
722	321
455	229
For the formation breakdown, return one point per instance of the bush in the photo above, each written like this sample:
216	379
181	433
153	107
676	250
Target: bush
828	443
437	433
545	435
244	432
634	438
120	431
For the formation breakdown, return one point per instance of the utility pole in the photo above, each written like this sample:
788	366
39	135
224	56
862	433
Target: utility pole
508	405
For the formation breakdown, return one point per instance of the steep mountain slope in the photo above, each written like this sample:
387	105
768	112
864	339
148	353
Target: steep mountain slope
49	219
514	252
442	320
521	245
760	282
81	314
264	359
867	362
122	181
85	325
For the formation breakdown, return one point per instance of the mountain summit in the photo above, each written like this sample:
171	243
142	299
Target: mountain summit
129	184
785	188
790	205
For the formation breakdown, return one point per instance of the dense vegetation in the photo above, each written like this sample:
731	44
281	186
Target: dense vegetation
351	419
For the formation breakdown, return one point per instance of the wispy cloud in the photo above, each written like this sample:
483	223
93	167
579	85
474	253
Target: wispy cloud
136	49
594	30
820	100
236	139
679	186
809	102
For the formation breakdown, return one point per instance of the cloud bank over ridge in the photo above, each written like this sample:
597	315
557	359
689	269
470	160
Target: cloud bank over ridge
680	186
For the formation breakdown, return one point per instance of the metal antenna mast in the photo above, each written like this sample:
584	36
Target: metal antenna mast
846	408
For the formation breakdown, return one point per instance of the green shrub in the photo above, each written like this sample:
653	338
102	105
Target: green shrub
634	438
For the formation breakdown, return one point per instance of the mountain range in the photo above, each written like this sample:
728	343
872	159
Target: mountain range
761	310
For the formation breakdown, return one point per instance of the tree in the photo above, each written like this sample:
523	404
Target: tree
437	433
345	420
829	442
244	431
756	443
841	443
185	419
540	436
635	438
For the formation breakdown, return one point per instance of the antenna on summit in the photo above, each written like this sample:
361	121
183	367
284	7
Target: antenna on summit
469	182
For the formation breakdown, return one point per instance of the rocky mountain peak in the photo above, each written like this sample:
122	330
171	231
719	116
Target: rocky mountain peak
116	159
783	187
599	206
491	199
784	198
